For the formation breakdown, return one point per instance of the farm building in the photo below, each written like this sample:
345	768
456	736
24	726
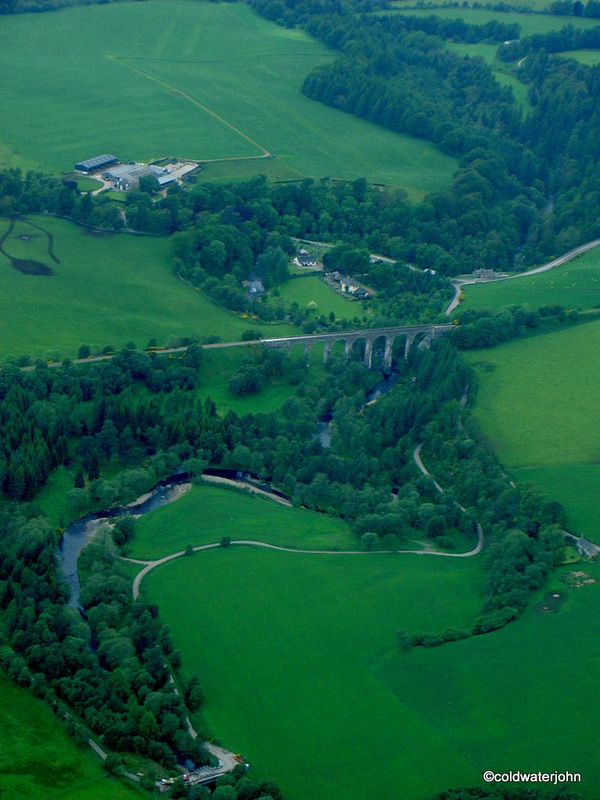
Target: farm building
127	176
96	163
587	548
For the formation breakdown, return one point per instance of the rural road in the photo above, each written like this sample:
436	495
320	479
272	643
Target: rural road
458	283
150	564
480	537
226	758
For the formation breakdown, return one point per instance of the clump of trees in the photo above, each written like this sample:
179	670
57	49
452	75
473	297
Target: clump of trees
486	328
143	414
109	667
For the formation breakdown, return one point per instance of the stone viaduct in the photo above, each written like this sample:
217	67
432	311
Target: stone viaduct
370	335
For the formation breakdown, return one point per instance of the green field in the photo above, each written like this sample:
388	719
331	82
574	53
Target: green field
576	486
226	82
285	644
207	513
482	50
38	759
575	284
85	184
520	90
537	398
530	23
52	498
523	698
536	405
589	57
218	366
313	289
108	289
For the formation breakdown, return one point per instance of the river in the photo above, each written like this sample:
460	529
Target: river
323	433
79	533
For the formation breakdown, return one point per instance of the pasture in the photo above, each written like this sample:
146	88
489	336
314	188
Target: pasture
537	406
311	289
227	83
529	23
107	289
520	90
285	644
575	284
207	513
575	486
520	698
38	759
537	397
589	57
218	366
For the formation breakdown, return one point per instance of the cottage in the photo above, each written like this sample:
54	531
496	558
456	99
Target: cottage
304	259
255	289
348	284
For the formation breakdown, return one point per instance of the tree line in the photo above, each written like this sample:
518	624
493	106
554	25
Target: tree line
142	417
25	6
525	189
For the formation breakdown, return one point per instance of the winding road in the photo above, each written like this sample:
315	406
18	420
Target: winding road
458	283
149	565
480	537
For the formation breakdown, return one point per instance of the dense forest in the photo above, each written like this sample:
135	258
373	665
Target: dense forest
526	189
145	415
520	193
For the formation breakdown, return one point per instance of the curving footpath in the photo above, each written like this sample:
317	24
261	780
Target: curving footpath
458	283
227	760
150	565
480	536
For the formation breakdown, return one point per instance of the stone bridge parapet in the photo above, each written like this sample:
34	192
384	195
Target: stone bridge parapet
370	336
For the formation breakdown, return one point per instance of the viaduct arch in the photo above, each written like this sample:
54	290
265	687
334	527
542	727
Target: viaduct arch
370	336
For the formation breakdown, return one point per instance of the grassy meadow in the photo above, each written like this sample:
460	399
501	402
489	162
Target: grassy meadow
285	644
219	365
520	698
38	759
537	398
589	57
207	513
530	23
311	288
537	406
108	289
576	486
227	84
575	284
